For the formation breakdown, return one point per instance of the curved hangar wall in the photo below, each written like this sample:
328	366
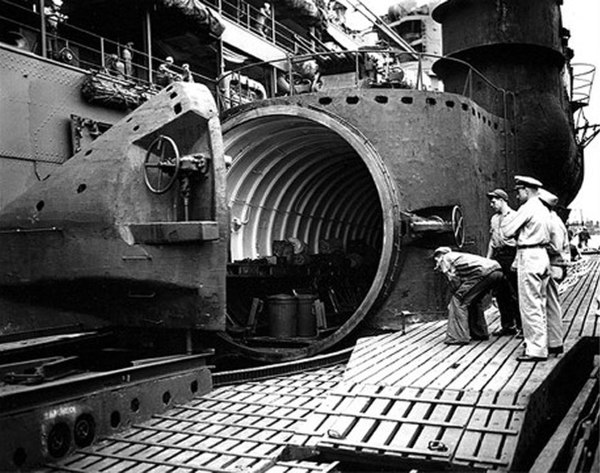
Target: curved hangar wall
352	164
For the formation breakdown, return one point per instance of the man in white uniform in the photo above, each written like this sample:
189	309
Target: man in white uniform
530	227
560	255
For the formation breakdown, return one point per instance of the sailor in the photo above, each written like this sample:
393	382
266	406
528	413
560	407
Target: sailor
115	66
530	227
186	73
504	250
560	255
261	18
127	55
470	278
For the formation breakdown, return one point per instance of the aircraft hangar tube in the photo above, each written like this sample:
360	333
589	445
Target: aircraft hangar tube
304	174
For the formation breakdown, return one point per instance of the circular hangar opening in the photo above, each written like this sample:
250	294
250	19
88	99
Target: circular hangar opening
310	249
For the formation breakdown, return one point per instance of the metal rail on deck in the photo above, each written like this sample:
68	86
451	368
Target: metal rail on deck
271	371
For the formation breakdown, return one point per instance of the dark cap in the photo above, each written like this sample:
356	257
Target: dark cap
498	194
527	181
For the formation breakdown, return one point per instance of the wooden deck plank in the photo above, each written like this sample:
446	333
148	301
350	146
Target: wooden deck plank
455	362
403	434
382	431
345	419
468	446
499	374
503	359
120	466
491	443
380	364
401	363
439	413
364	427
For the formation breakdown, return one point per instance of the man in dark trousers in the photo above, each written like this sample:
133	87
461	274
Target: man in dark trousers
470	278
503	250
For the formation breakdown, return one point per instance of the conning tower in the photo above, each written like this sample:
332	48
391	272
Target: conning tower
522	48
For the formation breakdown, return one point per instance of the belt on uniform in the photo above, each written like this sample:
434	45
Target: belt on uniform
537	245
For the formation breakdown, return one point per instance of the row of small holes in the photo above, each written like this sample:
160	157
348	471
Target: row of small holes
115	417
177	108
353	100
20	455
41	204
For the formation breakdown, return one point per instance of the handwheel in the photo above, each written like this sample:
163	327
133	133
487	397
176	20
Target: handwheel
161	165
458	226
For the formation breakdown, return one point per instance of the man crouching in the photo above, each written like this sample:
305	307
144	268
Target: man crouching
470	278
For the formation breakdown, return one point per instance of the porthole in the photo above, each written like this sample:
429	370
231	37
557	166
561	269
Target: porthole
84	430
115	419
59	440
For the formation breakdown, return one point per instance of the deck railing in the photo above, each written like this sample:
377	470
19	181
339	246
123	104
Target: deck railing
77	47
392	73
247	16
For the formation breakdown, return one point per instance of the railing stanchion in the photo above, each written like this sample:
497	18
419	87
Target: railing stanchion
420	84
102	54
43	28
356	69
471	84
290	75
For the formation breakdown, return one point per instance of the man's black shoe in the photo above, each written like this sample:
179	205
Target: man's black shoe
505	331
555	350
480	339
528	358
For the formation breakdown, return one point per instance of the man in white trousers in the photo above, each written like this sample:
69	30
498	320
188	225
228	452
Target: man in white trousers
529	226
560	255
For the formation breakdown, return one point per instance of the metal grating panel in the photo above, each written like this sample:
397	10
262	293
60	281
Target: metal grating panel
234	428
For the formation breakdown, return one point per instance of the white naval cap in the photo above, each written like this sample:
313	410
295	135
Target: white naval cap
527	181
547	197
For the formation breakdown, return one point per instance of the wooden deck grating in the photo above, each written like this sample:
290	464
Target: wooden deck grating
237	428
407	398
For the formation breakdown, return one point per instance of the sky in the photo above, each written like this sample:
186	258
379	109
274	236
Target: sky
582	18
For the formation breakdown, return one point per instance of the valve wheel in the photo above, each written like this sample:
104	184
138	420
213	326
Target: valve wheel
458	228
161	165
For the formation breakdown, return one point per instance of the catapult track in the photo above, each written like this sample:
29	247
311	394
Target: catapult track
396	394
